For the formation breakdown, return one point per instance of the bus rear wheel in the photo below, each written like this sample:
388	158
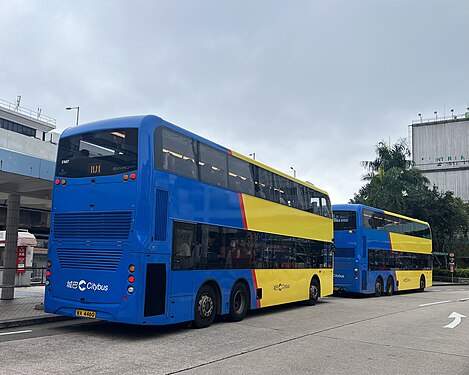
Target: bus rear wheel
314	291
238	303
422	283
379	286
205	307
390	286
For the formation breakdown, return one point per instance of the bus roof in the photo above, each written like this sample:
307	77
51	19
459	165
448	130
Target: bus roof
356	207
138	121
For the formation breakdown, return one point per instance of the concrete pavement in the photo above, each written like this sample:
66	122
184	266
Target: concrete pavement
25	308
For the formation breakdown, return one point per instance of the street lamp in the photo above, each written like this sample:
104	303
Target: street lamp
452	113
78	111
294	171
436	115
420	115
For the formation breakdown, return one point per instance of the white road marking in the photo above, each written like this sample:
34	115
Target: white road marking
434	303
457	319
464	299
14	333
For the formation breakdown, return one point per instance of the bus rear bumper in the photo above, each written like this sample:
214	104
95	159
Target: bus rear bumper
108	312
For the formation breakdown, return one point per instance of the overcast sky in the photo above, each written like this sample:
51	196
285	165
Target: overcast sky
313	85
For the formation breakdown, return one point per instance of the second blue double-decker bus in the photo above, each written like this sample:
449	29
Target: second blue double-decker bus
380	252
152	224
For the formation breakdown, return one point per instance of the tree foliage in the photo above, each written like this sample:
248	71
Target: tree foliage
394	184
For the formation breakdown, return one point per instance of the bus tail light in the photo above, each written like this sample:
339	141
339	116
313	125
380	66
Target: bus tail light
131	268
133	176
131	279
64	182
48	273
355	273
130	289
57	182
125	177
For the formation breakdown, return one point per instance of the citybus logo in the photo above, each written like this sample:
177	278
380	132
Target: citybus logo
83	285
281	286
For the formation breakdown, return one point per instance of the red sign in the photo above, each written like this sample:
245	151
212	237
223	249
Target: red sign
21	260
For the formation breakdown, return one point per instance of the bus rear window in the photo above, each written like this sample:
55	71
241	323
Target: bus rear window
100	153
345	220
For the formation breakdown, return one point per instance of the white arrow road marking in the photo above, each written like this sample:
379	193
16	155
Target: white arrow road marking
464	299
457	319
14	333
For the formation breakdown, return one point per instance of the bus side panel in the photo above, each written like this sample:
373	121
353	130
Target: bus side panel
265	216
411	279
290	285
410	244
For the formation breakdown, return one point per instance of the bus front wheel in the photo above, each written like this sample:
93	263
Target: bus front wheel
390	286
379	287
314	291
422	283
205	307
238	303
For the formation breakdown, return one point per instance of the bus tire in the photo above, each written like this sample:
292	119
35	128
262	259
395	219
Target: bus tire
379	286
238	303
390	286
314	292
205	307
422	283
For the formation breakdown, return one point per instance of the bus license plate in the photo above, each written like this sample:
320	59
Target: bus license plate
86	313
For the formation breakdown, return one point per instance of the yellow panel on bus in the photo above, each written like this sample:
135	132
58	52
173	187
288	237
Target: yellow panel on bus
402	242
290	285
265	216
411	279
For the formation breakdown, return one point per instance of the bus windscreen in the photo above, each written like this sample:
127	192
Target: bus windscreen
99	153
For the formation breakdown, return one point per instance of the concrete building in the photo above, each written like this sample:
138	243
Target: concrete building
440	148
28	147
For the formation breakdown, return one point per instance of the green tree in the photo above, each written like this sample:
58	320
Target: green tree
394	184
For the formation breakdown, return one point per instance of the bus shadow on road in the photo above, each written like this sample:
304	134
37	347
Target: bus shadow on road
113	330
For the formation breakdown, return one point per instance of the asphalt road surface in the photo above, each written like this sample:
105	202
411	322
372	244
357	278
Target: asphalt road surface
409	333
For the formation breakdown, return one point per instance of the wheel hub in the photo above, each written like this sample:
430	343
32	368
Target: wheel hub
205	306
313	291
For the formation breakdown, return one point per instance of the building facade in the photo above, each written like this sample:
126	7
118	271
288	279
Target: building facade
440	149
28	147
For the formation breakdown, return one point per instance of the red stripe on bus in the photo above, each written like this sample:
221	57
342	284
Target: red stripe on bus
254	280
243	213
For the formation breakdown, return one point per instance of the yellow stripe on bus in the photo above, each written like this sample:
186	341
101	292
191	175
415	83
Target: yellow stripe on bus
405	217
269	217
291	285
402	242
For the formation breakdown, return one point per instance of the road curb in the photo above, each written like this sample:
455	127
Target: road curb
31	321
447	284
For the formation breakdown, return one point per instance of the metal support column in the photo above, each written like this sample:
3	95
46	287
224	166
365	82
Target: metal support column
11	241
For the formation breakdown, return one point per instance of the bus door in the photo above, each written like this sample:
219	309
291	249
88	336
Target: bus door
344	264
363	269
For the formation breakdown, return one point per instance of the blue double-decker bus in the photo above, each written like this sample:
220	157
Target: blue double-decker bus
152	224
379	252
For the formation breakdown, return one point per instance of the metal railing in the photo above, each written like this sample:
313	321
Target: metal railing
37	115
464	116
31	276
